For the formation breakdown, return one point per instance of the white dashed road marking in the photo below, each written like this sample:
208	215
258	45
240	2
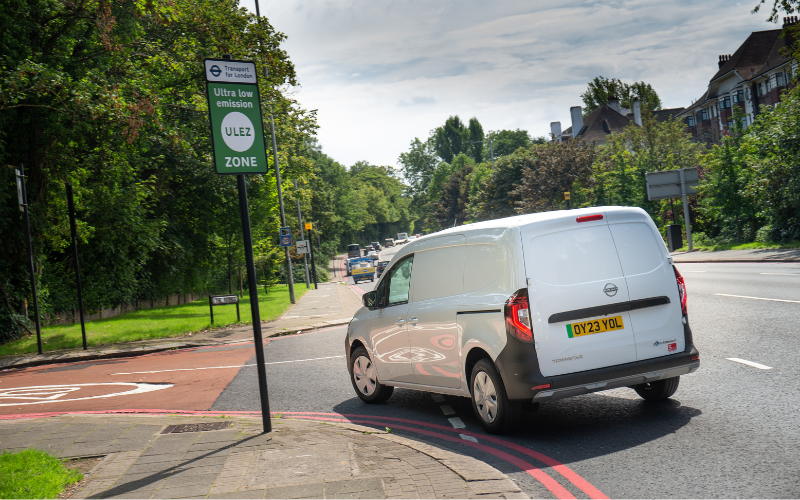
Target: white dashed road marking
447	410
468	438
750	363
437	398
781	274
758	298
457	423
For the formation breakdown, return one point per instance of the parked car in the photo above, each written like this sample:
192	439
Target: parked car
529	309
353	250
381	266
376	246
389	242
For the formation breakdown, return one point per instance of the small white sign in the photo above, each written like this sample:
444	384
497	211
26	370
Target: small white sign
302	246
19	191
220	70
219	300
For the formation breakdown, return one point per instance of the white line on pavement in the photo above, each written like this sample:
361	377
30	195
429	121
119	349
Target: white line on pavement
468	438
222	367
758	298
750	363
457	423
447	410
437	398
781	274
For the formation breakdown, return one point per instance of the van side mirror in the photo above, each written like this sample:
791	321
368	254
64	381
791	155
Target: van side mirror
370	299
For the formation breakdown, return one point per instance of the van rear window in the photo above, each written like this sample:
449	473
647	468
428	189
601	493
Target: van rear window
570	257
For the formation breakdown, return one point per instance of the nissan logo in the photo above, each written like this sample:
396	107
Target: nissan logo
610	289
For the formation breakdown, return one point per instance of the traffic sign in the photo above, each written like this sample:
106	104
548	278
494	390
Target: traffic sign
286	236
302	246
308	226
234	108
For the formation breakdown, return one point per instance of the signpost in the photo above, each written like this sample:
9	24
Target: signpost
221	300
302	247
23	199
311	249
237	137
286	236
71	208
671	184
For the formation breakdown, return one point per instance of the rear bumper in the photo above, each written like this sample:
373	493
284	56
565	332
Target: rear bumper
519	366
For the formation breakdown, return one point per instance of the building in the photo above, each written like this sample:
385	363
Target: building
605	120
752	77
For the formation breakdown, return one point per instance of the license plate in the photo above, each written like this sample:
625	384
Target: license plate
595	326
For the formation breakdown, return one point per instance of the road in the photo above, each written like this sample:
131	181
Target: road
731	430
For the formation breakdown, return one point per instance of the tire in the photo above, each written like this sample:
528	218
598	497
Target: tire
365	378
658	390
489	401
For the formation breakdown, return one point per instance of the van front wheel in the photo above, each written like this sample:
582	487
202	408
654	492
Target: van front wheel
658	390
364	377
489	401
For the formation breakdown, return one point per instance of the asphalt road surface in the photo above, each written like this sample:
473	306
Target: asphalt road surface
730	431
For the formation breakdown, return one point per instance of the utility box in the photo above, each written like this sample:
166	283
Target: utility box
674	237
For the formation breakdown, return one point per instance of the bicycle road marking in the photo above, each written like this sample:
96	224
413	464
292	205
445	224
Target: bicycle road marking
42	394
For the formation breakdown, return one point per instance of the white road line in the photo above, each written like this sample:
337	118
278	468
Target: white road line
437	398
750	363
468	438
457	423
758	298
447	410
223	367
781	274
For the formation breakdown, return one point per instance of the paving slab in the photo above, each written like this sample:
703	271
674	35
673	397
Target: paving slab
299	459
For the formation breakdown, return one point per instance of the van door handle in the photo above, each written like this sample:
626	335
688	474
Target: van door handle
413	320
400	321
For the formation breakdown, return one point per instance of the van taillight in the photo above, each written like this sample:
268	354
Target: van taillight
681	289
518	316
590	218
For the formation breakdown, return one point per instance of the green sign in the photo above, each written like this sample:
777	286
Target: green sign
236	127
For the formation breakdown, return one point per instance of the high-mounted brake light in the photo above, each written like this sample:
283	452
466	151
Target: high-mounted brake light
590	218
518	317
681	289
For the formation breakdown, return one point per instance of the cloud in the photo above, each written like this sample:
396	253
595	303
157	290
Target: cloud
382	73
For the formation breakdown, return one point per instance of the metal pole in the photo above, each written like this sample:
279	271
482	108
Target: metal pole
30	254
491	151
254	311
313	262
686	220
211	307
302	234
280	200
71	207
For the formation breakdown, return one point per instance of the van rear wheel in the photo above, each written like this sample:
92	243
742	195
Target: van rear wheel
364	377
489	401
658	390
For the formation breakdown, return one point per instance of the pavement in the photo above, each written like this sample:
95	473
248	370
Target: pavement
223	456
333	303
755	255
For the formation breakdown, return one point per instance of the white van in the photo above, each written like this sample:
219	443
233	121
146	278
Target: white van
523	310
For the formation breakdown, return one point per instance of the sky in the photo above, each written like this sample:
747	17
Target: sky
381	73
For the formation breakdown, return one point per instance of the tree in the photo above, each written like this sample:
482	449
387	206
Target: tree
450	139
475	147
601	89
495	196
505	142
450	207
418	164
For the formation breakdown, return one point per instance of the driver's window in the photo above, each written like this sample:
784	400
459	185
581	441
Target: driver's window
400	281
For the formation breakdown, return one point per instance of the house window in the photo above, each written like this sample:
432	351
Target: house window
740	96
725	103
704	114
690	121
779	79
761	88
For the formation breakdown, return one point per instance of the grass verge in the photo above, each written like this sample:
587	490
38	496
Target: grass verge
743	246
156	323
34	474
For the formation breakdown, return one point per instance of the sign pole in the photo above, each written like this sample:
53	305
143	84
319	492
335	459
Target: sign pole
71	208
254	311
302	235
290	278
686	220
311	249
30	254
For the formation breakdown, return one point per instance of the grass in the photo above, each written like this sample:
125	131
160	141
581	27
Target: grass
34	474
155	323
743	246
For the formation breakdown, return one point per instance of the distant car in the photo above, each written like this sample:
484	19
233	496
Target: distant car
389	242
381	266
373	254
376	246
353	250
418	235
402	238
368	249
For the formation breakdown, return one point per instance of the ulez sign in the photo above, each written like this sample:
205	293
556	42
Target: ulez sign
234	109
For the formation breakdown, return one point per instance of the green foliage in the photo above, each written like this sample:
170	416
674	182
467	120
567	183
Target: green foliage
450	139
505	142
418	164
450	205
601	89
34	474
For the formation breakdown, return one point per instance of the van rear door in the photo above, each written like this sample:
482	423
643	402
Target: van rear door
656	319
575	287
